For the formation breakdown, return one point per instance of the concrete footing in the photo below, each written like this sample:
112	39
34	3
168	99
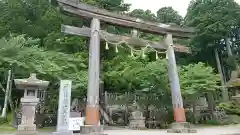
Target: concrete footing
26	130
91	130
181	127
63	133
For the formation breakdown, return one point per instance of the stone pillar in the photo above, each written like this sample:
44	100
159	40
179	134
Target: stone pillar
64	108
92	109
180	125
28	115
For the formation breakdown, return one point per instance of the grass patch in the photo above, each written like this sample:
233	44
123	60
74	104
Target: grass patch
6	128
5	124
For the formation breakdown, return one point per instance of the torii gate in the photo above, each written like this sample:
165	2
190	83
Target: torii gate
95	34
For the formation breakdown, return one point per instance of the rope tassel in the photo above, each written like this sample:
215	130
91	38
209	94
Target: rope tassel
166	55
116	49
132	55
157	55
143	54
106	46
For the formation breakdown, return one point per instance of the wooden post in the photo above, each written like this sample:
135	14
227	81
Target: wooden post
225	96
180	125
92	109
4	112
179	114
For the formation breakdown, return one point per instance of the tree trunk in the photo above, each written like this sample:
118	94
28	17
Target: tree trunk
126	115
211	102
4	112
230	54
229	50
194	112
225	95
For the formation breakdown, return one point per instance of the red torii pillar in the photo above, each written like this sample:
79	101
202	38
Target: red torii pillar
180	125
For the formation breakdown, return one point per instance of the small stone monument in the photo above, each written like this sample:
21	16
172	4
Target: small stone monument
64	108
31	86
234	80
136	120
237	98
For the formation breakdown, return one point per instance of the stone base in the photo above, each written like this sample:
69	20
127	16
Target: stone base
137	124
91	130
26	132
27	127
63	133
181	127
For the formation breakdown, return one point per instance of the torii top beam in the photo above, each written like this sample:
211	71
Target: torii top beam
85	10
119	38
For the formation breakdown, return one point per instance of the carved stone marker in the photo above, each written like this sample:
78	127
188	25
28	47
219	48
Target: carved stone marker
31	86
64	108
136	120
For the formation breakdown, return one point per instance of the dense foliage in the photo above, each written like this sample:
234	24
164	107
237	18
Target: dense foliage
25	55
31	41
56	56
215	22
169	15
197	79
231	108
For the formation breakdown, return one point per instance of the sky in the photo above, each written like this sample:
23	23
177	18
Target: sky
154	5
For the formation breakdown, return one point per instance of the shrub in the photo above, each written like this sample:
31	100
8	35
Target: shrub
231	108
212	122
230	119
3	121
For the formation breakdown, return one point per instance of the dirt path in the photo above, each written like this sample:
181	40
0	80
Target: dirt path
230	130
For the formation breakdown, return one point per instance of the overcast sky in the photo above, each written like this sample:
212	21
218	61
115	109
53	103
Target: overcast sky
154	5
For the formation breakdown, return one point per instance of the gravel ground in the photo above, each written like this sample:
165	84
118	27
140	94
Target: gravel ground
221	130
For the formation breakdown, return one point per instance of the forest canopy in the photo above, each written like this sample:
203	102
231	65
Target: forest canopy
31	41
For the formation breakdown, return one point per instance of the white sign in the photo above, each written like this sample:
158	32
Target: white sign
76	123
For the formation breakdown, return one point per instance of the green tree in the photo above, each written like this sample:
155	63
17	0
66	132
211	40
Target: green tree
197	79
33	18
169	15
26	56
213	20
149	16
216	28
112	5
146	15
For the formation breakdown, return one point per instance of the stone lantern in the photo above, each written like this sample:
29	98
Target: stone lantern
31	87
234	82
237	98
